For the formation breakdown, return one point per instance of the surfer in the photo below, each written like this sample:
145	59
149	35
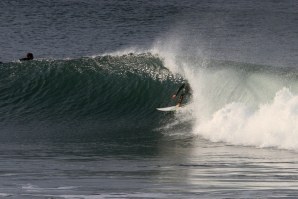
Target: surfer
29	57
185	91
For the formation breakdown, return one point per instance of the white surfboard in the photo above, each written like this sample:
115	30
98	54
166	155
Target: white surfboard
171	108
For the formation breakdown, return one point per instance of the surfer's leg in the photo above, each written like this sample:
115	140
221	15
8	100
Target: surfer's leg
180	100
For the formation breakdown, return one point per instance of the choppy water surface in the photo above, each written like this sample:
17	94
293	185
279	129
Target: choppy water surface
80	121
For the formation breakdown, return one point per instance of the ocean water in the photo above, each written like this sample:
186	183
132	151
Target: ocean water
80	120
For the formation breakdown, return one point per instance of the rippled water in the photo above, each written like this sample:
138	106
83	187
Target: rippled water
80	120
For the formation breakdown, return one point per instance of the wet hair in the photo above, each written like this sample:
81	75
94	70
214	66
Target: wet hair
29	55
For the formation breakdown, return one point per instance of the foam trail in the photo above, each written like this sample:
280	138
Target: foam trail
271	125
249	108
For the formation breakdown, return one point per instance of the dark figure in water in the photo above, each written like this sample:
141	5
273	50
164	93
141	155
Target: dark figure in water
29	57
185	91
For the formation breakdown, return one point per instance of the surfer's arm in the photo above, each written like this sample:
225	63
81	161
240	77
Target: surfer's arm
180	88
178	91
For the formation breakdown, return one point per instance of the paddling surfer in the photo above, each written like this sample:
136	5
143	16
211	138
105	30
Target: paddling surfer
29	57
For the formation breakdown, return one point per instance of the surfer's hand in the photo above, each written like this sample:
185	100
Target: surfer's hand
174	96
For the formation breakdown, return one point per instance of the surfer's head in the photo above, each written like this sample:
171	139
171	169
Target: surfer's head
29	56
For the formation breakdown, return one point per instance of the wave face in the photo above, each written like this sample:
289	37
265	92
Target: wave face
104	95
114	97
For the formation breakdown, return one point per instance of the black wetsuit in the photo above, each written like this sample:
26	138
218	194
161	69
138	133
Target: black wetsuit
29	57
185	90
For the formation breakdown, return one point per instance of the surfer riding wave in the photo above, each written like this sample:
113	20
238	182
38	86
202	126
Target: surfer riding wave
185	91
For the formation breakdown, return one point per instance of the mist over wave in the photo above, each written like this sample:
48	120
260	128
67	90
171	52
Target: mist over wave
239	103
